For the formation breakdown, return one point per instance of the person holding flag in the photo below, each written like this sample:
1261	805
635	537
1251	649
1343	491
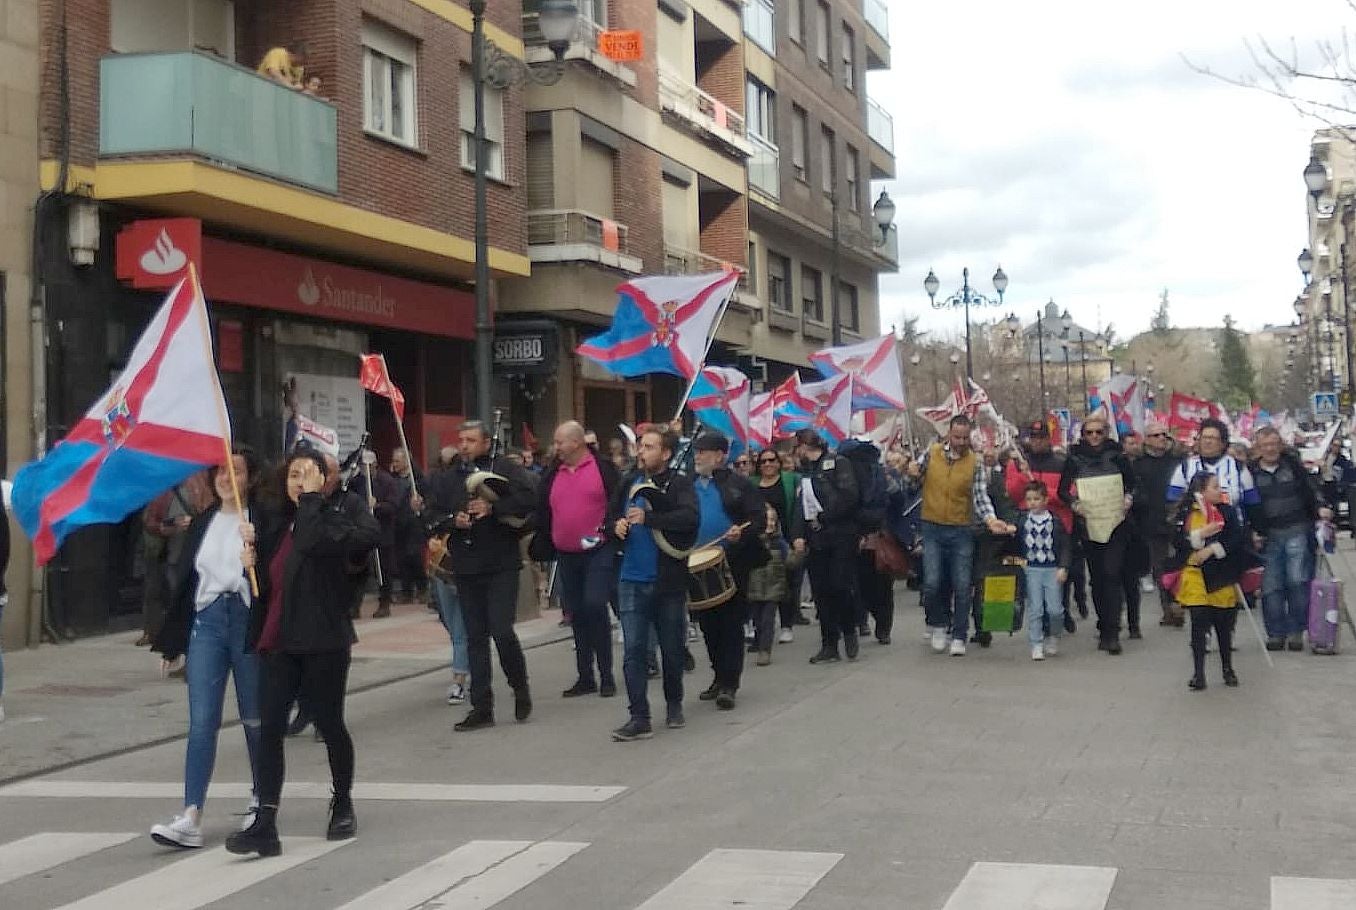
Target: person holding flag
825	528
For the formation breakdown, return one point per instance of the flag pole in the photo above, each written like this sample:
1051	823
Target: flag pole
710	341
221	410
400	424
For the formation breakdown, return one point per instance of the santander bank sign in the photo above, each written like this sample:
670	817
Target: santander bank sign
155	253
322	291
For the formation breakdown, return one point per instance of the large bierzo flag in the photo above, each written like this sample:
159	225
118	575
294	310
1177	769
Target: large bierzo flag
163	419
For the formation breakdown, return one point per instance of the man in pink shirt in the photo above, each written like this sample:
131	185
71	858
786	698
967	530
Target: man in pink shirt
571	529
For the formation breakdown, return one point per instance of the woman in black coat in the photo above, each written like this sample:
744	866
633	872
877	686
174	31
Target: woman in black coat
308	556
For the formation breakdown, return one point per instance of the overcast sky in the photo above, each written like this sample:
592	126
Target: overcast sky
1068	142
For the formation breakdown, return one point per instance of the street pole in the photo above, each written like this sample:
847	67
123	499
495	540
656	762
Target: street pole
1068	379
1328	337
965	296
1040	353
835	319
1083	350
1346	325
484	320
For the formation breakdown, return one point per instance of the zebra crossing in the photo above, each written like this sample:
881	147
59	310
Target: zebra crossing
480	874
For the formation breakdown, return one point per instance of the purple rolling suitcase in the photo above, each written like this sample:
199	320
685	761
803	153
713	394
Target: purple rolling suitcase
1325	611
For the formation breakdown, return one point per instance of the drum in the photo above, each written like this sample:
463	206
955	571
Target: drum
710	582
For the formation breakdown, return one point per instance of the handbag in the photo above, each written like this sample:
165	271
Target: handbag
1170	581
1251	580
889	556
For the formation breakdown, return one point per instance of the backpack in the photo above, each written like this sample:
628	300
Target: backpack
872	485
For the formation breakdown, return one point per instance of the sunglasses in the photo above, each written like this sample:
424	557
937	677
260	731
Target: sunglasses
741	461
769	461
1094	432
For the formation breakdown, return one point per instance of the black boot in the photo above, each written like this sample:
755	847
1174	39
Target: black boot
709	693
522	704
850	646
261	837
476	720
343	824
827	654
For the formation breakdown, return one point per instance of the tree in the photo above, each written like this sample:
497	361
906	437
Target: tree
1159	325
1236	381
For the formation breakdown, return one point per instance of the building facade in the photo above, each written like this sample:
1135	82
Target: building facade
323	223
681	162
1322	305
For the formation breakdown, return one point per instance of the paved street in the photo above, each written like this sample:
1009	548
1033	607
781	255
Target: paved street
905	780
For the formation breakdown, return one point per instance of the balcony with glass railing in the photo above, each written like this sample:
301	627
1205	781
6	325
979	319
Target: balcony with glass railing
880	126
765	167
760	24
197	104
877	15
583	44
572	235
702	113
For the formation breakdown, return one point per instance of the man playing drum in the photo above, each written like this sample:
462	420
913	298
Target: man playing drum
731	516
655	517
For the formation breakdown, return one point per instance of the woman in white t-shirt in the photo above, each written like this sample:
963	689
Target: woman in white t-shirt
208	621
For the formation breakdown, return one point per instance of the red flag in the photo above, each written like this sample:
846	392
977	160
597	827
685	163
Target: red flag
1185	413
375	379
529	438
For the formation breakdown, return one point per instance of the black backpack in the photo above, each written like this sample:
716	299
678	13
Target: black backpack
872	486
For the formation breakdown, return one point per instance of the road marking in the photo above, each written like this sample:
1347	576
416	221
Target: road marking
40	852
748	879
1312	894
205	878
475	793
1029	886
442	874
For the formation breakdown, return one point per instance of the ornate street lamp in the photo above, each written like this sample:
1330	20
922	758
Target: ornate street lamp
966	297
1305	261
1315	177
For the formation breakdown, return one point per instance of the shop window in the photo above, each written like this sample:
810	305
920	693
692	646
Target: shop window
812	294
494	127
389	107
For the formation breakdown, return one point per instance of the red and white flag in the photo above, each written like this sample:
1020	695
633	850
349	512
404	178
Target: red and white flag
874	368
373	377
762	425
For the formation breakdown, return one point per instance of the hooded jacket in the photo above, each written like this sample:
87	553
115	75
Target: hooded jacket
1094	461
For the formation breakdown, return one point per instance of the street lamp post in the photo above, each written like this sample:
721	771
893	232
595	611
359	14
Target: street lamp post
491	66
1083	350
965	297
1040	355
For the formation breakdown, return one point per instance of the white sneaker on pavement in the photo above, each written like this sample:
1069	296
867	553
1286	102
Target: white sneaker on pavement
185	831
251	811
1051	647
456	694
786	637
1038	651
939	639
957	647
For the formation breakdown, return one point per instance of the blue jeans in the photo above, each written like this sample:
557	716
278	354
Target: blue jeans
1289	567
948	555
643	606
449	608
216	646
1044	598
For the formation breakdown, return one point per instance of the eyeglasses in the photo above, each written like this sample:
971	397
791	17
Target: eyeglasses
1094	432
769	461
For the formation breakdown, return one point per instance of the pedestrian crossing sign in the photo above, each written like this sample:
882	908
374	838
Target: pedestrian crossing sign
1325	404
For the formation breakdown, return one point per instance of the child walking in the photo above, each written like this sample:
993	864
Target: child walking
1210	555
767	588
1046	547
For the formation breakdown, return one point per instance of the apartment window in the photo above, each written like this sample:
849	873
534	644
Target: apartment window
388	84
760	104
828	166
494	127
849	59
752	274
800	138
848	313
779	282
812	294
851	165
795	21
822	33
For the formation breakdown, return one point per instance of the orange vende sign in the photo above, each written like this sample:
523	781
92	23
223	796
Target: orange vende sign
621	46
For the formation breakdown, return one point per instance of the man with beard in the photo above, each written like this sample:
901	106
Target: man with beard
1153	475
1038	462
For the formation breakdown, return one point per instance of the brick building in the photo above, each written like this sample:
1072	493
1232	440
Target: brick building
329	223
694	158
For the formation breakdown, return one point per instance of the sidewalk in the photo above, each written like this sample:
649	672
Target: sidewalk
71	703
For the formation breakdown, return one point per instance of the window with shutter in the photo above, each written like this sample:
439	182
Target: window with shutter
541	188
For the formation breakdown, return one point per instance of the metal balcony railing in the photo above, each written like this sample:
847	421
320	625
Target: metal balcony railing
877	15
561	227
880	126
760	24
585	31
765	167
682	261
193	103
703	111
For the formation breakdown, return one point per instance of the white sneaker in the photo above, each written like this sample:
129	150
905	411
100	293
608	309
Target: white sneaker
1051	647
786	637
807	604
185	831
1146	585
939	639
957	647
749	633
456	694
1038	651
248	816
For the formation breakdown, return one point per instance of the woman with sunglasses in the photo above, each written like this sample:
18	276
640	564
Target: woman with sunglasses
777	487
1098	468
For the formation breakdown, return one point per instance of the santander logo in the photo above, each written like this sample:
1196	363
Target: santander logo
327	293
308	292
163	258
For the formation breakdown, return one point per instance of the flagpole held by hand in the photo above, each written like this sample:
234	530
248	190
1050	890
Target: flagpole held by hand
221	412
400	426
710	340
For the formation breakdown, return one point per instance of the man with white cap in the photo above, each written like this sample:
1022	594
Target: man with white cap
1153	474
